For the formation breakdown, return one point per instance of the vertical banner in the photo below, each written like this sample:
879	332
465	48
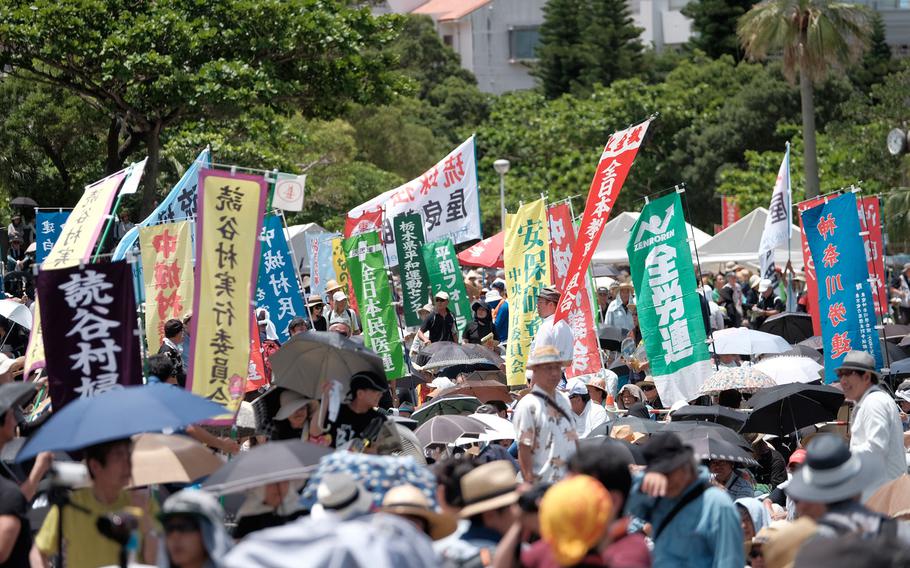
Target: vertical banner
322	269
527	267
871	219
809	266
342	274
366	264
256	378
729	212
277	289
93	330
48	226
167	265
288	194
227	261
669	309
445	196
844	293
415	284
562	239
74	245
444	273
777	224
612	169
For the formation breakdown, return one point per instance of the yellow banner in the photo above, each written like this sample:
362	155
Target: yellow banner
342	276
75	245
167	270
227	258
527	266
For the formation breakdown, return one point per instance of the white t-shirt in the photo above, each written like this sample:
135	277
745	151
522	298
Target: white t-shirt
876	434
550	434
557	334
591	417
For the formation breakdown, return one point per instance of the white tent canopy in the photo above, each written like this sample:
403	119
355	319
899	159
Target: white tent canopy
611	249
297	236
739	243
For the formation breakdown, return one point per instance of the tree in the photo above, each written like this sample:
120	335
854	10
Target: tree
559	60
813	36
714	25
877	62
150	66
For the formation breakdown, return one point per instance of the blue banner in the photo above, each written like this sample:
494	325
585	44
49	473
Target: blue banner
48	226
845	300
322	269
277	289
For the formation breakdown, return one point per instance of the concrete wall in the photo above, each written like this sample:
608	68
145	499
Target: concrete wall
490	32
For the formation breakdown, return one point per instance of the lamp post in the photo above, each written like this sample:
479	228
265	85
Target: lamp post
502	167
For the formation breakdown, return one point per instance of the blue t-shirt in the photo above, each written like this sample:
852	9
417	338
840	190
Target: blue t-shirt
502	320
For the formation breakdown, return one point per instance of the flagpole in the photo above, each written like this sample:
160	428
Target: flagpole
791	301
306	304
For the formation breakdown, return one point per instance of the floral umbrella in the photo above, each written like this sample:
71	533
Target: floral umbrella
744	379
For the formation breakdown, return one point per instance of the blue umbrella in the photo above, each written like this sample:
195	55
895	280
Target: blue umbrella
118	414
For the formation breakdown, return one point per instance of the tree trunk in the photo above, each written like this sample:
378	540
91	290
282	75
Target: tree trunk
150	180
810	156
112	164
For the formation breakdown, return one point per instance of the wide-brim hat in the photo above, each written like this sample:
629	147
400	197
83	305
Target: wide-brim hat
331	286
860	361
544	355
488	487
409	500
493	296
314	300
341	494
598	383
291	402
830	473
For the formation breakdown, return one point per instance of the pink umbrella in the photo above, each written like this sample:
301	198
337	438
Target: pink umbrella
486	253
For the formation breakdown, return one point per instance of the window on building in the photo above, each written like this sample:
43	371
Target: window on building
523	42
448	40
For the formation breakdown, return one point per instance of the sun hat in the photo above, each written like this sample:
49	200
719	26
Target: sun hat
341	495
339	296
754	281
488	487
576	386
492	296
574	514
331	286
291	402
860	361
763	285
314	300
598	383
441	295
665	452
425	308
499	284
784	541
626	286
545	354
410	501
549	293
831	473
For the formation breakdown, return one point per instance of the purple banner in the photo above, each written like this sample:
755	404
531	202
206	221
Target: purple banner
91	332
845	300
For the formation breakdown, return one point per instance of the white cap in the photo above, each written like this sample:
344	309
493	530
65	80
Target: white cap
576	386
764	285
339	296
441	295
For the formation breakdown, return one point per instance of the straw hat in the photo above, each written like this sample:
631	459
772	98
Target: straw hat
546	354
488	487
331	286
408	500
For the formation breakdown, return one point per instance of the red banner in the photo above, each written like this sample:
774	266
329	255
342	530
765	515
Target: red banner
562	239
729	211
256	377
369	220
614	165
871	221
809	267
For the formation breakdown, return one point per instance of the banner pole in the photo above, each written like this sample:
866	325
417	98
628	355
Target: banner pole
791	301
107	228
872	278
681	189
306	304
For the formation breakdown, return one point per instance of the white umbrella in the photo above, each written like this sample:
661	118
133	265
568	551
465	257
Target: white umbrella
744	341
16	312
499	428
786	369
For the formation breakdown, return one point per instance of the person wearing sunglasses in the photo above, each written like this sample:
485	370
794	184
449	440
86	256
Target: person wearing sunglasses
194	533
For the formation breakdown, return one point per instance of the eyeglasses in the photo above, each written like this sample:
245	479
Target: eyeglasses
648	388
846	373
441	301
184	526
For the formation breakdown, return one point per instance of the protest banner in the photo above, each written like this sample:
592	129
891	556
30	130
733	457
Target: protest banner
167	264
74	246
288	194
586	350
809	266
445	196
845	300
614	165
342	274
527	268
256	378
669	309
777	224
444	273
870	219
277	289
322	269
94	330
366	265
415	284
230	212
729	211
49	225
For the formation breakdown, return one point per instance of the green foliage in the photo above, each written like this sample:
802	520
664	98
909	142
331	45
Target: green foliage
714	26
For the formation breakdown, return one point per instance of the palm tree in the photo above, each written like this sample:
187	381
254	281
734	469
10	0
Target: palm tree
813	36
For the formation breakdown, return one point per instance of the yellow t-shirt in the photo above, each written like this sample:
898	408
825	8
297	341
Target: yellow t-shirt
83	545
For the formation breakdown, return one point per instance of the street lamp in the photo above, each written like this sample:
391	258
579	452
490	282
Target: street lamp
502	167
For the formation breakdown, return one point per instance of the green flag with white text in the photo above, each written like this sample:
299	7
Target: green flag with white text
445	275
366	266
669	310
415	285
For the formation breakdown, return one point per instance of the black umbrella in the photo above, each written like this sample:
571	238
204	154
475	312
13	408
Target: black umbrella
814	342
23	202
640	425
465	358
691	429
444	406
625	451
269	463
620	368
708	448
484	352
792	326
784	409
453	371
716	413
801	350
894	332
894	351
611	337
601	270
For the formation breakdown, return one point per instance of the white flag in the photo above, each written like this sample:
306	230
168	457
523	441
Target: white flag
133	176
777	224
289	193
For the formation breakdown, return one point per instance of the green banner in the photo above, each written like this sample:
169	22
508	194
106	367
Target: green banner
444	271
374	297
669	310
415	284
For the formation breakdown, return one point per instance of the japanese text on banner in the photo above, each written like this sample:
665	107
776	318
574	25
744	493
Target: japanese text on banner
94	330
371	284
48	226
612	169
873	242
227	256
342	274
444	272
322	269
74	245
167	265
845	299
415	283
277	289
669	309
527	267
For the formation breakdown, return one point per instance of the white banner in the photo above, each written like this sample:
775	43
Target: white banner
288	193
133	176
